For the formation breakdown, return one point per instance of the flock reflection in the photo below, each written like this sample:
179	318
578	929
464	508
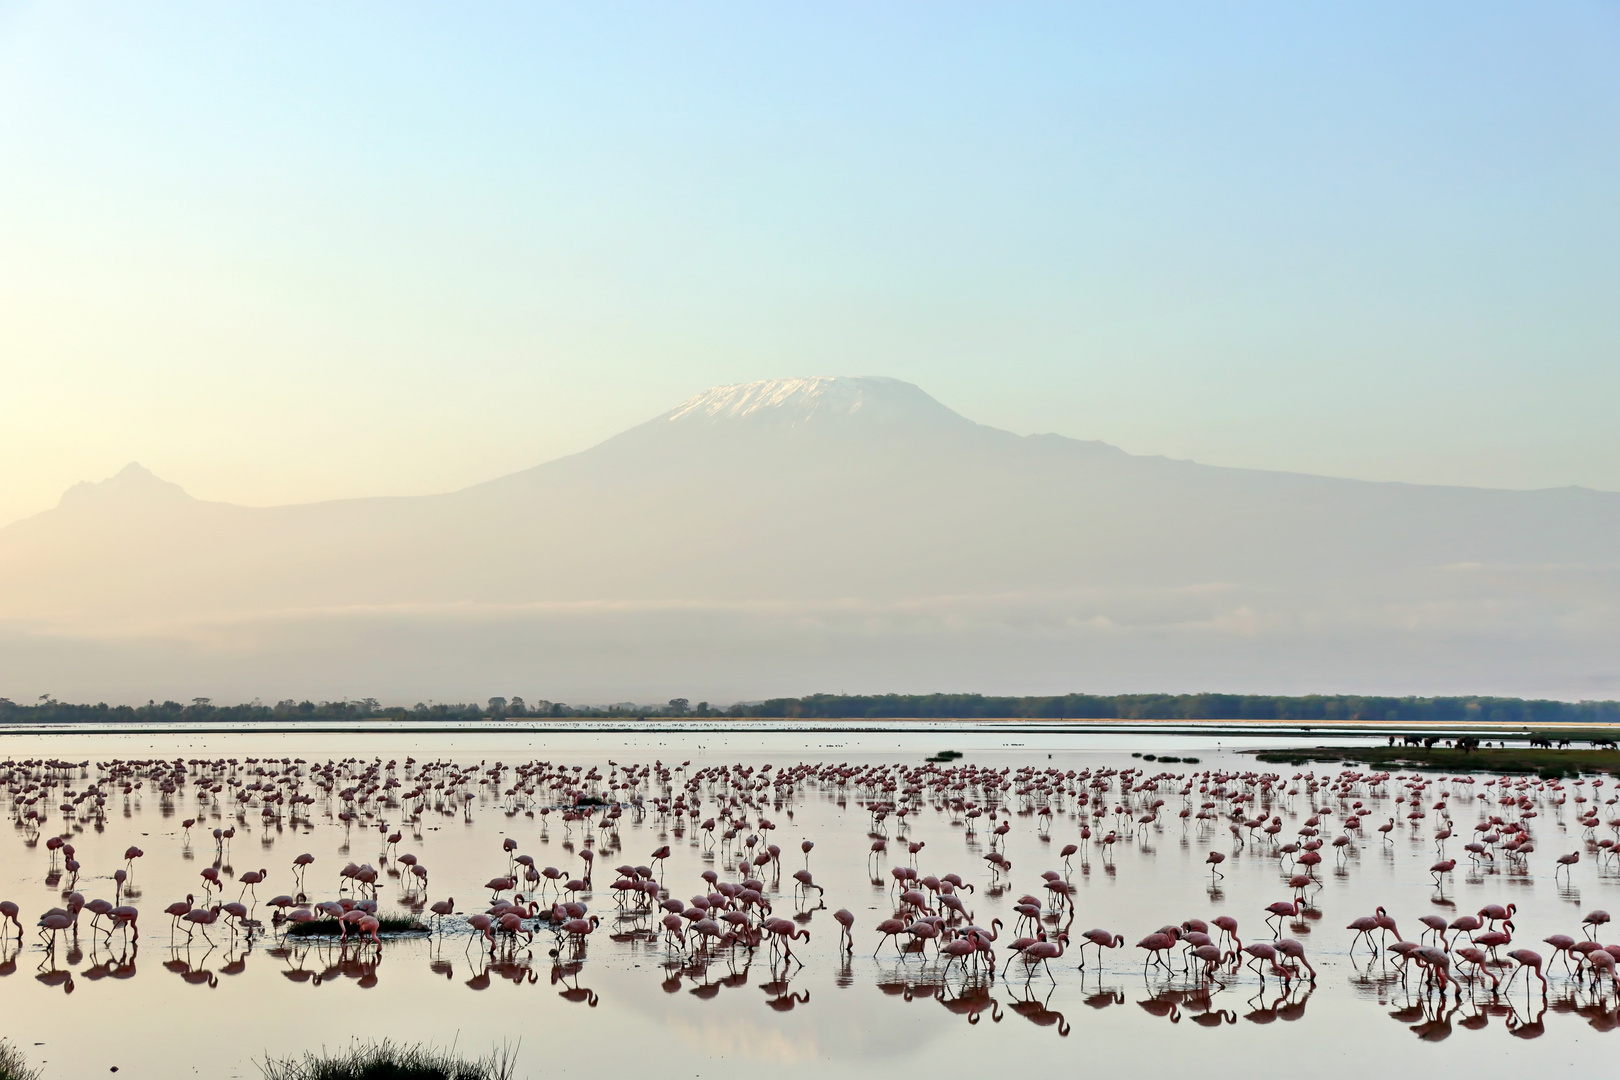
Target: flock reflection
1430	1014
974	945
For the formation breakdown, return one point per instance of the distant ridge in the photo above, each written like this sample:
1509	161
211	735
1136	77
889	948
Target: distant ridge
133	484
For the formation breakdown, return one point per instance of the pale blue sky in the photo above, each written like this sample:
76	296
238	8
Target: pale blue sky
297	251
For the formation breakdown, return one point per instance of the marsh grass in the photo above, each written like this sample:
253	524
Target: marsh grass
387	1060
1550	764
13	1066
393	924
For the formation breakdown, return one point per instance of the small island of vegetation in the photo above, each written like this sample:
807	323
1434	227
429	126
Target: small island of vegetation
1550	764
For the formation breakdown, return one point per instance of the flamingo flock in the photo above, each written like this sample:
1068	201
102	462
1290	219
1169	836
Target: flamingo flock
744	904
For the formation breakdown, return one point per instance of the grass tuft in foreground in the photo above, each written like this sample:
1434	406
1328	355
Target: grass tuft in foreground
387	1060
13	1066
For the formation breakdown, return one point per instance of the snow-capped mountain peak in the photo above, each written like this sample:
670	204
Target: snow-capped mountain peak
818	400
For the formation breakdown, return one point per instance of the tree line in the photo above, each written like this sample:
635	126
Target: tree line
1312	707
1303	709
47	710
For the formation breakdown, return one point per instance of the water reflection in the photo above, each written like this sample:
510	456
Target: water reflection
625	884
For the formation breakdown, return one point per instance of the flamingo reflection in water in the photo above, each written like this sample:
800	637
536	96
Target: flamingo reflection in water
971	1001
1286	1004
1038	1011
191	971
783	998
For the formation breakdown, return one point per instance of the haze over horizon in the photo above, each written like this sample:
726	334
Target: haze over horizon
1231	347
796	535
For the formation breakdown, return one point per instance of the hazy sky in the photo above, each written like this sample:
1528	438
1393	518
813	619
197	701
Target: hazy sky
297	251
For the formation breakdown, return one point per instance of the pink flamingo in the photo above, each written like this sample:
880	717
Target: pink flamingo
1602	962
54	923
1263	952
98	907
441	908
511	922
1364	927
1043	952
201	919
579	929
1561	943
806	883
1437	963
177	911
1102	939
236	911
925	930
1281	909
785	931
1296	952
892	929
1211	957
846	919
1480	961
1492	940
484	925
1386	924
124	917
1017	946
1436	926
959	948
249	880
1157	944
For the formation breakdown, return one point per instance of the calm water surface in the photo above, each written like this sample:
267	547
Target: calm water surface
629	1001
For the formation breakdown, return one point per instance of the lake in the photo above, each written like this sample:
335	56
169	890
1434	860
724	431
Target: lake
629	999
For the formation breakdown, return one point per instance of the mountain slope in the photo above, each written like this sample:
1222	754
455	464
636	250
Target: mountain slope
800	497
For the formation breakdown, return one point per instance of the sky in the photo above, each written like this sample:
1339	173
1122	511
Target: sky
281	253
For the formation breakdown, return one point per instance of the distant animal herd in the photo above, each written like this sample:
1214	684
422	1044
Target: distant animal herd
1471	742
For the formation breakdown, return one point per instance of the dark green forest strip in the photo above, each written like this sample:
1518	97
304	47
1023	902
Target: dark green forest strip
1313	708
1316	708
